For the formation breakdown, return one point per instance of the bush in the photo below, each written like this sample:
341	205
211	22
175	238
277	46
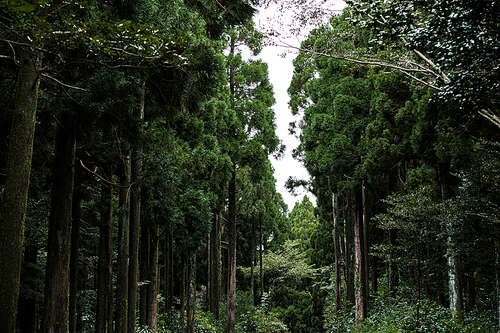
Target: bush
399	316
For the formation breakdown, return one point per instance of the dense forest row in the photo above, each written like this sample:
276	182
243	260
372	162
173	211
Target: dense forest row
137	191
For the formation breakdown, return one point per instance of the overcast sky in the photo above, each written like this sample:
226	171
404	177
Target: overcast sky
280	75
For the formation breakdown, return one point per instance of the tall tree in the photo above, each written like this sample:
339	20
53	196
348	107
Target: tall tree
253	138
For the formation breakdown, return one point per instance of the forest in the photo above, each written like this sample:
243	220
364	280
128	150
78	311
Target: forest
137	192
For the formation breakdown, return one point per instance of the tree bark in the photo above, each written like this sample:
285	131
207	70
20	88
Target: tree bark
105	262
214	267
123	246
135	218
349	251
336	245
144	273
366	242
152	286
183	295
231	227
191	293
15	191
252	261
359	272
169	278
56	298
217	265
73	264
261	249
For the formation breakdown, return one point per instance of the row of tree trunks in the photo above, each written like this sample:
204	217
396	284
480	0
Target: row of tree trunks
356	251
360	273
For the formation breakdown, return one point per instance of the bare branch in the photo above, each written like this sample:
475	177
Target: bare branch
64	84
373	62
488	114
101	178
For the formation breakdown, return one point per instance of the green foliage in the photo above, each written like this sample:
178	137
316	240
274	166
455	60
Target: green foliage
399	316
303	222
452	34
204	322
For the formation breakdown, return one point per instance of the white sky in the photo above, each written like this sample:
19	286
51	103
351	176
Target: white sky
280	75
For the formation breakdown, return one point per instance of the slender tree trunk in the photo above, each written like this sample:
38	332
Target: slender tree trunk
252	261
360	274
417	316
217	265
349	251
73	265
56	298
123	246
231	227
135	218
261	249
214	267
210	269
144	273
183	296
191	293
366	242
152	286
336	244
169	265
105	261
15	191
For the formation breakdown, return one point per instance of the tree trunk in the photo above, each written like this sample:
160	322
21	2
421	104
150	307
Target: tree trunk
169	266
15	191
123	246
231	227
56	298
261	249
349	251
105	261
456	296
191	293
217	266
135	218
73	265
366	242
336	244
183	295
144	273
359	272
214	267
152	286
252	261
